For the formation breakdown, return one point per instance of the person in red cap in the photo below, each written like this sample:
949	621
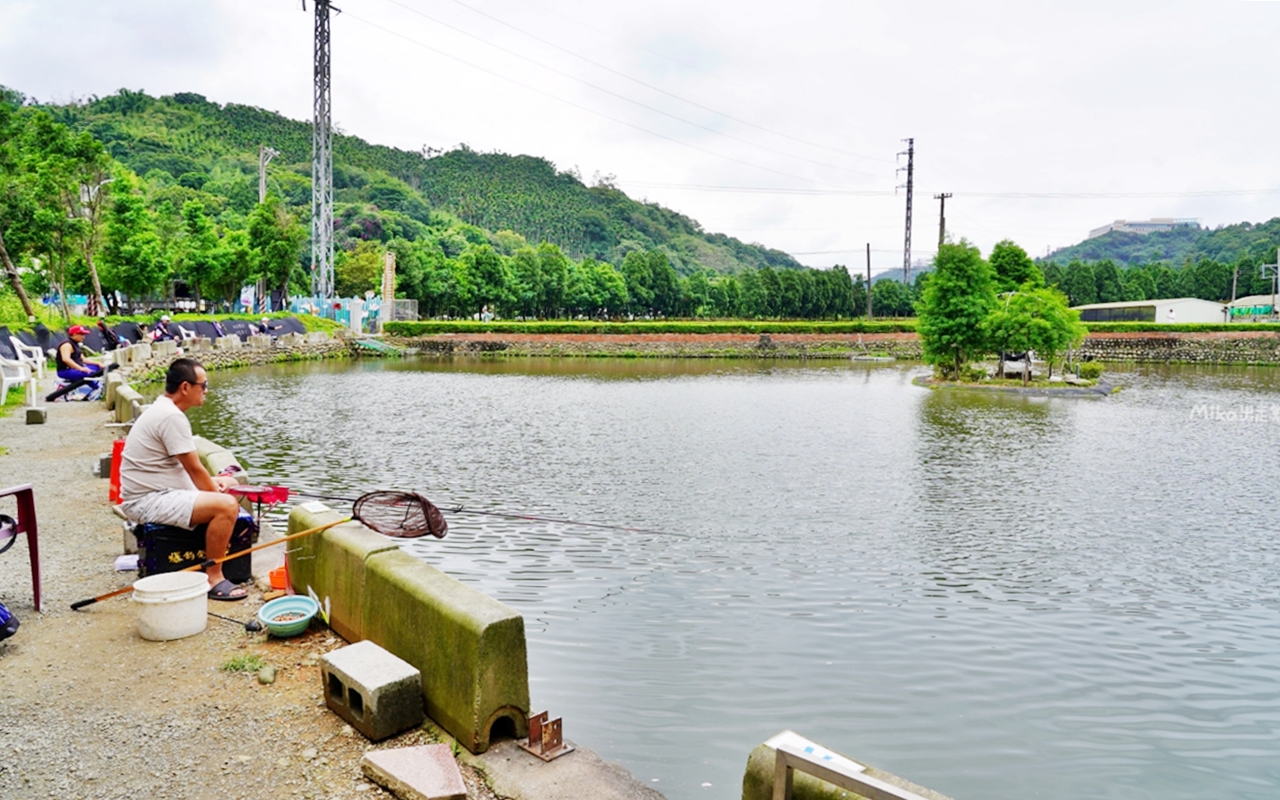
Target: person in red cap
71	364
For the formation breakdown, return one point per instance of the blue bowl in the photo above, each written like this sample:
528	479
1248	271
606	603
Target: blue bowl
293	604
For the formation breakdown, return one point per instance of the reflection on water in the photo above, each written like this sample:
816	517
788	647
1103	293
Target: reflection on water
996	596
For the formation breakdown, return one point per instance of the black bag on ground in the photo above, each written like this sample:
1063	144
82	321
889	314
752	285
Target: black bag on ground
8	623
164	548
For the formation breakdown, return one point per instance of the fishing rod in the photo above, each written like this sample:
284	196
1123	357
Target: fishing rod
527	517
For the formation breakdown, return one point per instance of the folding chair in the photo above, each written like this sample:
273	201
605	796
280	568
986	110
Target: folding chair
26	523
31	355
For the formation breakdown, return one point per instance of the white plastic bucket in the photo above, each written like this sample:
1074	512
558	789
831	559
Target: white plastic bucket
172	605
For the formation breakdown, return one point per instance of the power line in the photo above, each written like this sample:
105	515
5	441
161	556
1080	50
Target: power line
579	106
610	92
647	85
997	195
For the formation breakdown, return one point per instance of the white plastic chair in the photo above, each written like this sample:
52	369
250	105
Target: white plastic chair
186	334
29	354
12	373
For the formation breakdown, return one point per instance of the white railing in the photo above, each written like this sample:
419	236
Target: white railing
794	752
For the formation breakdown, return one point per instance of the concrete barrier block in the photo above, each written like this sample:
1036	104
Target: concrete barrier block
37	416
140	353
291	339
379	694
229	342
126	396
201	344
114	381
165	347
332	564
259	341
317	337
103	468
469	647
425	772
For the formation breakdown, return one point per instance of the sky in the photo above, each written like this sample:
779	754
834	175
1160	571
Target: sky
777	123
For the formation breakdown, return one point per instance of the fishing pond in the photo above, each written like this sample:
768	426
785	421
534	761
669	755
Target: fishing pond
994	596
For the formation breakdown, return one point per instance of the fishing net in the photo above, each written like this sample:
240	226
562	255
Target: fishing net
406	515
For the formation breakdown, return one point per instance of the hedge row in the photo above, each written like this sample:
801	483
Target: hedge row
428	327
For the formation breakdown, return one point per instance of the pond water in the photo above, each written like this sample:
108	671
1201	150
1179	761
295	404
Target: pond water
994	596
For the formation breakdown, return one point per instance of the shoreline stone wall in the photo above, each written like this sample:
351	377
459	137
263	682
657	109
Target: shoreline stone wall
1217	347
667	345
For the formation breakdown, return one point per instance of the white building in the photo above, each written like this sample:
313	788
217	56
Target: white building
1179	309
1253	307
1144	226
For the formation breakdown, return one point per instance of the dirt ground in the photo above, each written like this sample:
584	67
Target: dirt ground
88	709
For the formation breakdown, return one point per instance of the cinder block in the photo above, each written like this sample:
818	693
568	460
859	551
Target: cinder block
229	342
37	416
140	353
165	347
291	339
427	772
260	341
379	694
317	337
104	465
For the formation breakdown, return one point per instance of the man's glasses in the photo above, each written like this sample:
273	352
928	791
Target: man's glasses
204	385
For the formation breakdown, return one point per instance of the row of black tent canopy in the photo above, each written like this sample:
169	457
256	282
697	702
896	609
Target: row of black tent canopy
129	333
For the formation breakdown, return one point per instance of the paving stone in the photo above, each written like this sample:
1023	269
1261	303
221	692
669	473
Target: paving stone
427	772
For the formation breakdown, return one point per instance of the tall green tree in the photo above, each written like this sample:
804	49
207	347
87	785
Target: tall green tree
130	257
1033	318
957	298
1013	267
276	238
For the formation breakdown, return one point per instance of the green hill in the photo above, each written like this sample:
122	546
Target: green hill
1228	244
200	144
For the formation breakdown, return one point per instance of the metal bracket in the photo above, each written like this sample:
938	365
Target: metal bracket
546	738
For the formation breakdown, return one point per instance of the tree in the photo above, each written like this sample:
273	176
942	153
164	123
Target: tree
200	254
957	298
1107	279
357	271
1033	318
1080	284
130	256
1013	267
276	238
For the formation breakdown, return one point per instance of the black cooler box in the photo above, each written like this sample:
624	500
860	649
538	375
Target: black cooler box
164	548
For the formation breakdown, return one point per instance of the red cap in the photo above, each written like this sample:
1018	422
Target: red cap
77	330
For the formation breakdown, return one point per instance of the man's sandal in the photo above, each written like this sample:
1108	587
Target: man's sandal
225	590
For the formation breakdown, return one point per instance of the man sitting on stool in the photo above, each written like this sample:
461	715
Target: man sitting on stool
163	481
72	367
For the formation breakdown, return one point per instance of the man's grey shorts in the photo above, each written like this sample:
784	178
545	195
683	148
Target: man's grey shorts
167	507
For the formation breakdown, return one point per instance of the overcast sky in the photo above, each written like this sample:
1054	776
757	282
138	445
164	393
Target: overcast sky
1132	109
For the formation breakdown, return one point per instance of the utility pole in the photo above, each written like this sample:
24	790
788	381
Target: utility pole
1272	271
322	159
942	217
869	314
906	246
265	154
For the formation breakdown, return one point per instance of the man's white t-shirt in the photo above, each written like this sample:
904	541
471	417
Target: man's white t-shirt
149	462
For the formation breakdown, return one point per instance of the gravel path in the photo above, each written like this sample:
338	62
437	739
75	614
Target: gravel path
90	710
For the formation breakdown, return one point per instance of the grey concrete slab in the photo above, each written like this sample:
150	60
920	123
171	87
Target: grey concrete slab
427	772
513	773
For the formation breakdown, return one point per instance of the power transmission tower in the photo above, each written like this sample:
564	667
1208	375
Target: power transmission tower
942	217
322	160
265	154
906	246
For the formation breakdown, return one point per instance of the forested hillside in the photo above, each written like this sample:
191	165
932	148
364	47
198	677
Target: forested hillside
185	134
132	200
1179	246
